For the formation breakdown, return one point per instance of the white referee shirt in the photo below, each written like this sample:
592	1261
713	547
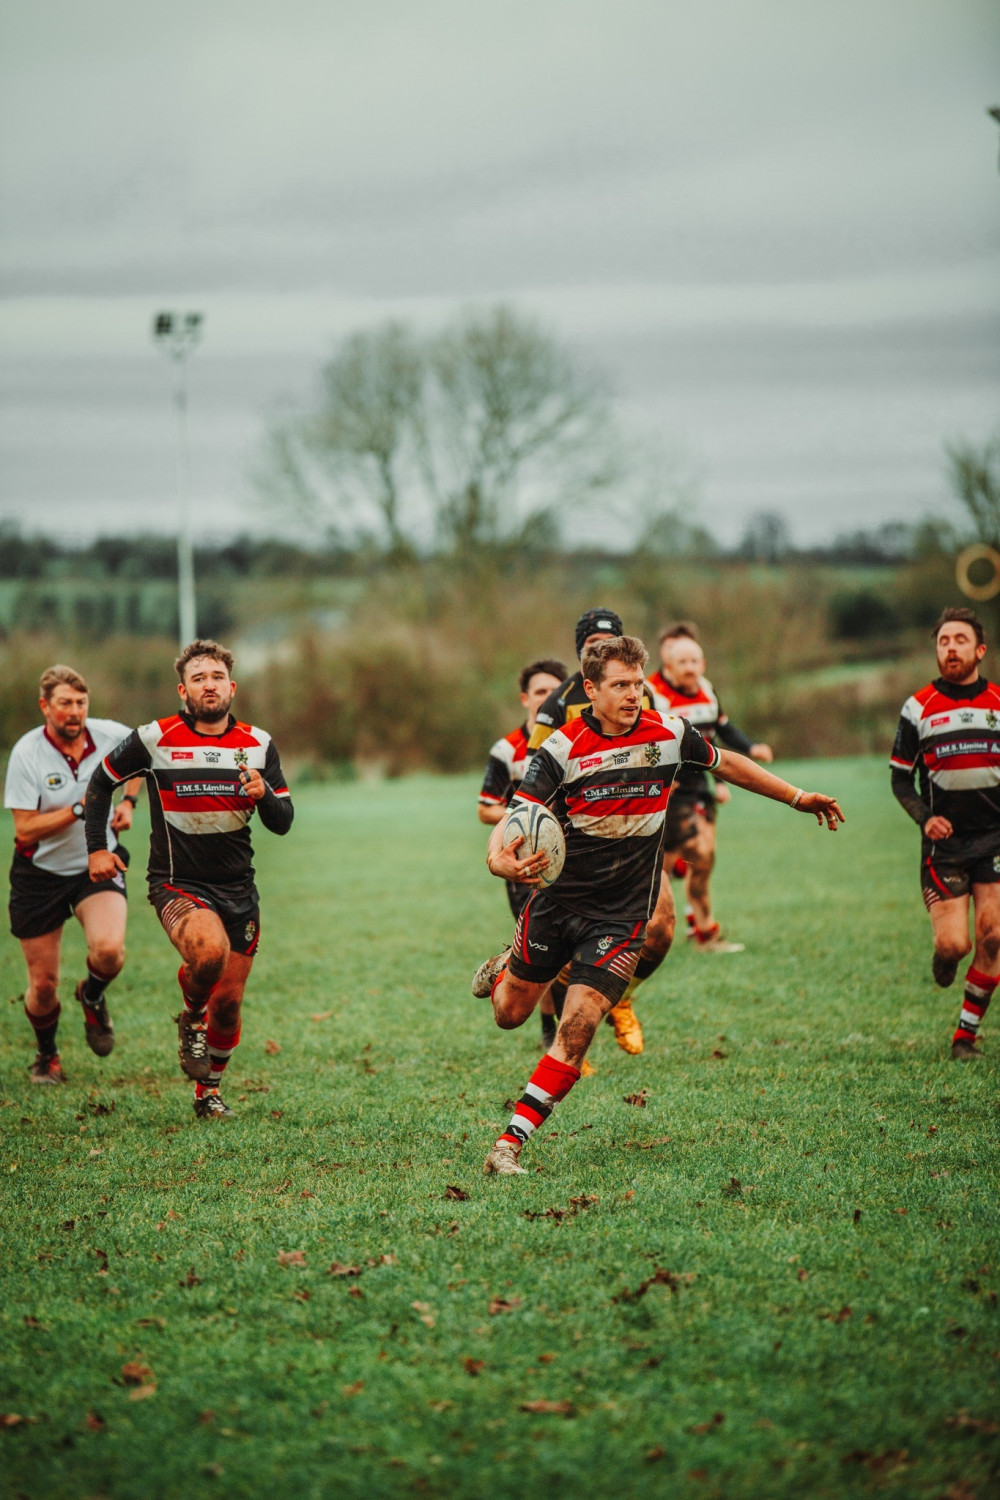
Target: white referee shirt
40	778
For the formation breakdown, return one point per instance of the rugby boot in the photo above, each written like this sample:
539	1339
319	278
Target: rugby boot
192	1047
965	1051
944	970
97	1025
486	974
46	1068
503	1161
628	1031
712	941
212	1106
587	1069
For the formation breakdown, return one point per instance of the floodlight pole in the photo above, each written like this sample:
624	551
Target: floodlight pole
178	335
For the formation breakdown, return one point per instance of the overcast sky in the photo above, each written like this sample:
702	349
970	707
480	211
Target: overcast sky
774	224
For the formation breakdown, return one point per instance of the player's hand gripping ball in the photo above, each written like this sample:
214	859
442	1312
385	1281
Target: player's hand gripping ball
542	834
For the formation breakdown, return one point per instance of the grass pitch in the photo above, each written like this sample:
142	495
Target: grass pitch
774	1276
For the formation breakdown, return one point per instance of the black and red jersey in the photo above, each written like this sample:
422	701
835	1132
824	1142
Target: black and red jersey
702	709
199	809
949	741
610	793
505	767
564	704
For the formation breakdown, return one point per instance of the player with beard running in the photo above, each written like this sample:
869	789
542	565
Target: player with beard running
208	774
606	777
562	708
46	788
946	775
505	766
682	688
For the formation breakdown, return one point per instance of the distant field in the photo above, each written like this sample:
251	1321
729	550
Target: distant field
778	1278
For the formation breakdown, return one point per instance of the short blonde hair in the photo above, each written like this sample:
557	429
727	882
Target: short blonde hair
627	649
54	677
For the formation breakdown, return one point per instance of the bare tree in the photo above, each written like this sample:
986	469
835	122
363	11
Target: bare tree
766	538
486	430
974	475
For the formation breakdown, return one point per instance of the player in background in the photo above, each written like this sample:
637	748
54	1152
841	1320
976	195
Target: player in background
46	787
946	775
504	769
682	688
561	708
207	776
606	776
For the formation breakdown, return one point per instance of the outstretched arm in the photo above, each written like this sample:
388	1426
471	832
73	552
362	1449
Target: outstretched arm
740	771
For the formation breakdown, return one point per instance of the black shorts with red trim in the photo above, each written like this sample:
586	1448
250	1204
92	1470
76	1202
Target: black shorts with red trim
517	896
946	877
680	826
238	911
601	954
41	902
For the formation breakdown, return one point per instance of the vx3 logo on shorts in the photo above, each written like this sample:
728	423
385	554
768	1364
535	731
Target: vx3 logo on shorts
544	947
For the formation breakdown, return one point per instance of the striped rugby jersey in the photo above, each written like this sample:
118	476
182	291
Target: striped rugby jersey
505	768
702	709
610	793
949	739
199	809
566	703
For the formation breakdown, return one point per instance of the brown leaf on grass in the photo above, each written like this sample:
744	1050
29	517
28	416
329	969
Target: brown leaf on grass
294	1258
639	1099
421	1306
503	1305
159	1323
653	1455
353	1390
857	1216
355	1291
803	1274
701	1428
190	1279
964	1423
457	1194
733	1188
276	1114
253	1087
660	1277
718	1053
305	1193
272	1048
337	1268
12	1419
661	1140
546	1359
321	1015
302	1295
142	1392
206	1418
576	1206
562	1408
94	1422
473	1366
134	1373
30	1322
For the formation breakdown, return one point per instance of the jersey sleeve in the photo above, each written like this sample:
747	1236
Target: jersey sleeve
130	757
551	716
695	750
906	745
20	788
275	807
497	779
731	737
543	778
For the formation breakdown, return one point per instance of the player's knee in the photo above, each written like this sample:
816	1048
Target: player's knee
44	992
953	947
659	936
207	964
107	959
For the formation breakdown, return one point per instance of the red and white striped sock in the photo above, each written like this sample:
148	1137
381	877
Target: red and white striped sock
979	989
221	1046
550	1082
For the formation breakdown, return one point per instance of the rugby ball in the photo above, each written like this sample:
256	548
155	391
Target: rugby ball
542	834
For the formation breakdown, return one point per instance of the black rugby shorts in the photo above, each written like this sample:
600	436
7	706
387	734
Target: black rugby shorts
602	953
239	912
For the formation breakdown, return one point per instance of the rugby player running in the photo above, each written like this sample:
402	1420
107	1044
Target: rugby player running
682	688
606	777
562	708
504	769
208	774
946	775
46	788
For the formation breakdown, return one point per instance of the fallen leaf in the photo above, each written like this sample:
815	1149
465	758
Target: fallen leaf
639	1099
655	1454
718	1053
546	1359
503	1305
733	1188
134	1373
963	1422
276	1114
30	1322
703	1427
142	1392
160	1323
549	1408
294	1258
321	1015
355	1291
302	1295
473	1366
803	1274
857	1216
206	1418
457	1194
305	1193
190	1279
271	1048
661	1140
660	1277
95	1422
337	1268
355	1389
11	1419
421	1306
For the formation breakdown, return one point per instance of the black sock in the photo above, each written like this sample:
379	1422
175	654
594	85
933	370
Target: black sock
94	987
45	1028
548	1029
558	993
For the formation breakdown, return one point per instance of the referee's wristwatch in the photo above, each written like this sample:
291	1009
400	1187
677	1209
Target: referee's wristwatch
78	809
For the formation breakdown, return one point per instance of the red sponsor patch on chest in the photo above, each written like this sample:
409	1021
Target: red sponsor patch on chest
182	755
590	762
942	719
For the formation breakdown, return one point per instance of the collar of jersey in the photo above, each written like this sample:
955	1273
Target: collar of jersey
961	691
591	721
201	733
88	748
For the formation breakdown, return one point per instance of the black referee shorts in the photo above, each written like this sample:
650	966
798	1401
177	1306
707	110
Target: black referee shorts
41	902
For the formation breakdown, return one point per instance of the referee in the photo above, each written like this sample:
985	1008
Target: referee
46	787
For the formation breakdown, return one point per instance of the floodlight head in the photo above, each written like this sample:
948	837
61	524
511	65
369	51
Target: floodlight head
163	325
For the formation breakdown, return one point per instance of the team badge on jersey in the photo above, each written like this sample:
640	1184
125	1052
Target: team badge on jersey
240	757
652	754
56	780
991	719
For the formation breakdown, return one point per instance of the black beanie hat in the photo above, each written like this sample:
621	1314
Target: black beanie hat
597	621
